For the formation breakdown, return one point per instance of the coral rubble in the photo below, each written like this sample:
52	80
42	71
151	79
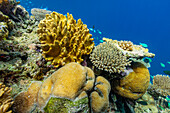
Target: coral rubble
63	40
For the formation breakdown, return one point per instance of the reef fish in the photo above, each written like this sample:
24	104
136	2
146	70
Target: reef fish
162	65
168	62
143	44
167	72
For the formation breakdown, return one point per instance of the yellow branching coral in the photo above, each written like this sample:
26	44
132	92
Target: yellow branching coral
126	45
106	56
131	50
63	40
161	84
5	99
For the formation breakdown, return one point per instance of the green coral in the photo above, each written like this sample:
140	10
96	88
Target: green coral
62	105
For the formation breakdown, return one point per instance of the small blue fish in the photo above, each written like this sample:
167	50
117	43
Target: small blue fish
99	32
168	62
30	2
143	44
162	65
101	41
91	29
94	31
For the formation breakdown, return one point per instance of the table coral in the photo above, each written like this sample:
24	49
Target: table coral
63	40
107	57
5	99
131	50
135	84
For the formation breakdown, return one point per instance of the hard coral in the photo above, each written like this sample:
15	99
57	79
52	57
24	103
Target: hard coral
131	50
135	84
68	82
108	57
161	84
100	97
63	40
5	99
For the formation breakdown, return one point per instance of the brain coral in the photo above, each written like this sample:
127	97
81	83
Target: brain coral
135	84
63	40
6	100
131	50
106	56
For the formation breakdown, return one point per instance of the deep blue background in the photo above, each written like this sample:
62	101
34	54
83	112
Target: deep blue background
146	21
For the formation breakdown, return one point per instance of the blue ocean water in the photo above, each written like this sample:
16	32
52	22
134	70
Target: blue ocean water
146	21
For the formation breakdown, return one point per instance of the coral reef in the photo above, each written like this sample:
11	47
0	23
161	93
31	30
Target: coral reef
100	97
13	10
135	84
107	57
131	50
39	14
63	40
5	99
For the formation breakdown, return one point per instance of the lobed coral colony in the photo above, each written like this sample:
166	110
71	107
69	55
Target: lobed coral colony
49	64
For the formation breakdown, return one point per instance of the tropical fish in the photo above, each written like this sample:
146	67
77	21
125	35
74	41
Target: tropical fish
91	29
147	60
99	32
143	44
168	62
167	72
94	30
101	41
162	65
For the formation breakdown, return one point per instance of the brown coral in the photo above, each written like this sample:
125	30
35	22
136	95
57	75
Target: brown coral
5	99
26	101
135	84
131	50
63	40
161	84
100	97
68	82
106	56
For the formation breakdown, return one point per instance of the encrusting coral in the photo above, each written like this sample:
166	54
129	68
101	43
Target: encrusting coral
133	85
63	40
6	100
131	50
106	56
